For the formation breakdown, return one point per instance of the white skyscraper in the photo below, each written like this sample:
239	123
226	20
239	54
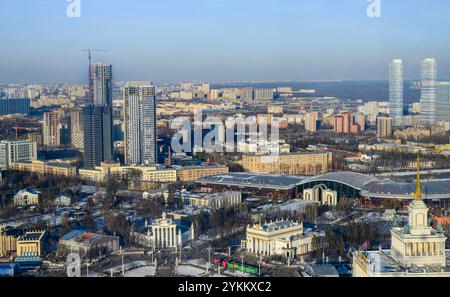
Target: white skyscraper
396	91
428	98
140	123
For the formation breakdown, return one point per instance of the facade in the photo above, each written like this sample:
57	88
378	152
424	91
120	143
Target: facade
147	173
8	242
348	123
102	84
76	129
263	95
12	151
283	237
443	102
26	197
51	129
193	173
31	244
261	185
36	137
416	249
385	127
88	245
396	91
322	195
217	200
42	167
311	120
165	234
14	106
140	124
295	164
428	97
97	135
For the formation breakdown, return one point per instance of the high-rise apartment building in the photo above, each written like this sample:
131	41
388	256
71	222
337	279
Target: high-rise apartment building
385	127
140	124
311	120
51	128
97	119
102	84
76	129
17	151
428	97
396	91
443	102
97	137
349	123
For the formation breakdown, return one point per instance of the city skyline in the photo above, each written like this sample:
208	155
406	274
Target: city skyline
295	40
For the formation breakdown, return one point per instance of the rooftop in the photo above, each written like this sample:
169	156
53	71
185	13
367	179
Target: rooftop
249	179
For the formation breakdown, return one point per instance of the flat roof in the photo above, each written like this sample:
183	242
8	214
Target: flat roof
242	179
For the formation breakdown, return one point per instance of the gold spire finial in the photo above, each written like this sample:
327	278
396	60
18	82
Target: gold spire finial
418	194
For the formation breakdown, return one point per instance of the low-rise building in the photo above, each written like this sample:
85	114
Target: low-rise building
281	237
88	245
8	241
216	200
27	197
42	167
193	173
306	163
31	244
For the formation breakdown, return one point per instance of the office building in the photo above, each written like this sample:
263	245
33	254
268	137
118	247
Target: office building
97	135
140	124
13	151
396	91
14	106
385	127
428	97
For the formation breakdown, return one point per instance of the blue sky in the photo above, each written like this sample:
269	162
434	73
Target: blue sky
174	40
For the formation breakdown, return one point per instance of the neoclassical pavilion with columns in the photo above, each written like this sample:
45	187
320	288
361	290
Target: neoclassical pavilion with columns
416	248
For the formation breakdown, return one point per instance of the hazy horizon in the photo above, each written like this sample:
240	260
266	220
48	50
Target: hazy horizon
221	40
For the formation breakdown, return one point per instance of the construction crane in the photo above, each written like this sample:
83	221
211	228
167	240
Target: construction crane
89	51
17	128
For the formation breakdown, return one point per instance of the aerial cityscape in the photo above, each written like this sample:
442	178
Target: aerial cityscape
133	150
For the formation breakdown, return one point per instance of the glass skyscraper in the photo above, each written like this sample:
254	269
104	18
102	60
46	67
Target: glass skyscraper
97	118
428	97
396	91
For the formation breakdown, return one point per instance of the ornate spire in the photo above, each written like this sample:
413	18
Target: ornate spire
418	194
